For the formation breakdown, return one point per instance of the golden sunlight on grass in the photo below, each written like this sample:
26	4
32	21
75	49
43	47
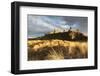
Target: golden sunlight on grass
56	49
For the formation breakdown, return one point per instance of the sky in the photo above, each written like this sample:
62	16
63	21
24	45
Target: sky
38	25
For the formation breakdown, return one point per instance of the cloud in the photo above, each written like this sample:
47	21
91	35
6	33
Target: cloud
38	25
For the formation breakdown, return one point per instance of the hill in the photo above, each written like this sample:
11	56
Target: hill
66	35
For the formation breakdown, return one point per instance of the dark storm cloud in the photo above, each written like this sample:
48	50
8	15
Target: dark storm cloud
81	22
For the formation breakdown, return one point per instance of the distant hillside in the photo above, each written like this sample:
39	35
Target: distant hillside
67	35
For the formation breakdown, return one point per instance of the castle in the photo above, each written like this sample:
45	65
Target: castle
65	30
